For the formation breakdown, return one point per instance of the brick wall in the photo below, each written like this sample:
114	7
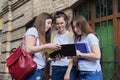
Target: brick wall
15	14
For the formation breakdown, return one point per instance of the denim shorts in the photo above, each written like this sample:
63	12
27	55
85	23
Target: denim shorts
35	75
90	75
58	72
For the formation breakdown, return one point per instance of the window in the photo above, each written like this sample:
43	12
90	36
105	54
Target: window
118	5
103	8
104	32
85	11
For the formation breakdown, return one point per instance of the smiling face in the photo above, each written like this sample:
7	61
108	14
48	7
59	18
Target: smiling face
61	25
48	24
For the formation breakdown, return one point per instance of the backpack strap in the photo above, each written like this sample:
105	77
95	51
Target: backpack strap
70	34
53	36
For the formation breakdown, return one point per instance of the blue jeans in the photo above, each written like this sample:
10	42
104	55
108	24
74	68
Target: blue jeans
90	75
37	74
58	72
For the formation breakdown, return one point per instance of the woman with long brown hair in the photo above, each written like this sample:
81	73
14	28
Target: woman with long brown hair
88	63
36	41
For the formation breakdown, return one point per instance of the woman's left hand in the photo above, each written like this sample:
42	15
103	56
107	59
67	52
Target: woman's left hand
78	53
58	57
67	76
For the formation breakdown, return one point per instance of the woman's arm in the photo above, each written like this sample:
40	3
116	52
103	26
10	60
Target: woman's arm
94	55
30	42
67	74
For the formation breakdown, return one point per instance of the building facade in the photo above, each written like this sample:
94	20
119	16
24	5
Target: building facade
103	16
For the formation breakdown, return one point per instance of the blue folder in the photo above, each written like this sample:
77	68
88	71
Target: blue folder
82	47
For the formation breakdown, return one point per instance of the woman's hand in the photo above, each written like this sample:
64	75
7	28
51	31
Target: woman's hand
67	76
53	46
58	57
78	53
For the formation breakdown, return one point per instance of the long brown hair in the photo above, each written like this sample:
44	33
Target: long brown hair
40	26
83	24
44	37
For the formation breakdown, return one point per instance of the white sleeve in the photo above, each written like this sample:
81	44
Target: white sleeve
93	40
32	31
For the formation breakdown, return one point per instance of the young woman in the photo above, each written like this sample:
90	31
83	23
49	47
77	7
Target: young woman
89	67
36	39
62	69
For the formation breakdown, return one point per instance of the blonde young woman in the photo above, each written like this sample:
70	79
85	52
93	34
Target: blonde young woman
36	39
